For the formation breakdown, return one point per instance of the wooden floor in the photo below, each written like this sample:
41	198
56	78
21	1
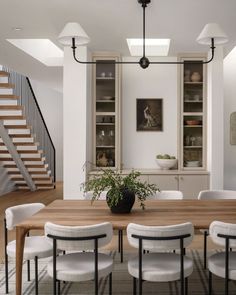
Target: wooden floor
46	197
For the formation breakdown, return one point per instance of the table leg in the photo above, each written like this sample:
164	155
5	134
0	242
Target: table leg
20	242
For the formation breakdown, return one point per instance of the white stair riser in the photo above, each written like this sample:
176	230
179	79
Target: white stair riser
30	169
8	102
10	112
3	79
14	122
6	91
20	148
18	131
41	176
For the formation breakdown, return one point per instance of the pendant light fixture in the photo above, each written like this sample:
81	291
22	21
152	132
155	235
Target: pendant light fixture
73	35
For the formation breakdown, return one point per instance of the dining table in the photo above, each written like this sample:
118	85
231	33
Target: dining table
157	212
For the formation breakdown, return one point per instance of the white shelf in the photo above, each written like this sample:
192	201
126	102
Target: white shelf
105	78
193	83
193	101
105	100
193	114
192	126
106	124
105	113
105	146
193	147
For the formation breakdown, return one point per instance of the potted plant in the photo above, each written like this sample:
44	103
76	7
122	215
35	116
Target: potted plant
122	190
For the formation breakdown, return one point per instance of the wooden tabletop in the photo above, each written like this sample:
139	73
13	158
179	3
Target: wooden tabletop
158	212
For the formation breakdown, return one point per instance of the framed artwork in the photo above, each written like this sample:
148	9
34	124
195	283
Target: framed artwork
149	114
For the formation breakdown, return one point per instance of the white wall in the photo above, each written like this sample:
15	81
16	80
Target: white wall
215	119
140	148
229	107
50	102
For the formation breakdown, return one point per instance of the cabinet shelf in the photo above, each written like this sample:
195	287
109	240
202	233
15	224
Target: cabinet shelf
193	114
192	126
193	101
105	78
105	101
105	124
105	146
193	83
105	113
193	147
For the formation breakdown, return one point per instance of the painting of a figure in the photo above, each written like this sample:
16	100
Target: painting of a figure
149	114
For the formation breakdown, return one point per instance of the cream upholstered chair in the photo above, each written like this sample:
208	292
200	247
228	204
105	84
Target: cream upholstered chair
88	196
160	266
80	266
35	246
223	264
213	195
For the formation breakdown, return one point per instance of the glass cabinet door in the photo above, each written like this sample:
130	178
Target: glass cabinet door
106	103
193	114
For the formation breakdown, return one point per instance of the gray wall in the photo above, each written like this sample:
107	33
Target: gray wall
6	185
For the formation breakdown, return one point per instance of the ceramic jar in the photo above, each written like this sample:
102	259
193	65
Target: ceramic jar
195	77
187	74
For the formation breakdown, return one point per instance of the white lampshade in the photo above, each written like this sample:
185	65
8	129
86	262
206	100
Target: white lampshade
73	30
212	31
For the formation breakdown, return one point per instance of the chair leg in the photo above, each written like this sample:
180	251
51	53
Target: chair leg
134	286
28	270
140	291
36	275
110	283
210	283
119	241
226	286
121	245
59	287
6	273
186	286
205	248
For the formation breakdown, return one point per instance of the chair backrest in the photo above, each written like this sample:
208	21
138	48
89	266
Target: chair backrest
17	214
218	227
217	195
88	195
60	232
160	232
169	195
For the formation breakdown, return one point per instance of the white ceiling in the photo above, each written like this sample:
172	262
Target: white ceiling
108	23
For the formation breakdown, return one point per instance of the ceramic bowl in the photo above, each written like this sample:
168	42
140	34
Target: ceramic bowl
166	164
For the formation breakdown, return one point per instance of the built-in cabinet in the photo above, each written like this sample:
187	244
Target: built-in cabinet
106	112
193	115
191	176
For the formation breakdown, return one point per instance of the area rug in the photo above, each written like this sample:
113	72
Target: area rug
122	281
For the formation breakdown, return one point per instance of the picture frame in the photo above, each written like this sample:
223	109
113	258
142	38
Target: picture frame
149	114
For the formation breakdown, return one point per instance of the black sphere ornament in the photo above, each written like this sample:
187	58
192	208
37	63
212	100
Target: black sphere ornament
144	62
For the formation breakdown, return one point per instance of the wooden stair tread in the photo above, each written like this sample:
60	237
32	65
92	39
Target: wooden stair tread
4	74
7	85
22	144
26	165
17	127
20	135
23	159
47	179
22	152
14	117
11	107
30	172
9	96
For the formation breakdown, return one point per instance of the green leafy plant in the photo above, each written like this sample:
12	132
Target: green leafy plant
115	183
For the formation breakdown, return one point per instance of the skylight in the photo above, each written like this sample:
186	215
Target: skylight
154	47
43	50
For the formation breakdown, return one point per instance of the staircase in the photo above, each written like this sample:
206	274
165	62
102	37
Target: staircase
29	162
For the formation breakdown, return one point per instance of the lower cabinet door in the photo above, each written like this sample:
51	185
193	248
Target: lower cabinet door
164	182
191	185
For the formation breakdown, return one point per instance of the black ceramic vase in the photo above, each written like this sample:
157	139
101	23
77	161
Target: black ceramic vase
125	204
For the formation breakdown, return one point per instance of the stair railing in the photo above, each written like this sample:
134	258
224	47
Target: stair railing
34	118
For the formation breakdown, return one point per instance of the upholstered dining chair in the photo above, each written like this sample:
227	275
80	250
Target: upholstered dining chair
88	196
223	264
79	266
35	246
213	195
157	266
